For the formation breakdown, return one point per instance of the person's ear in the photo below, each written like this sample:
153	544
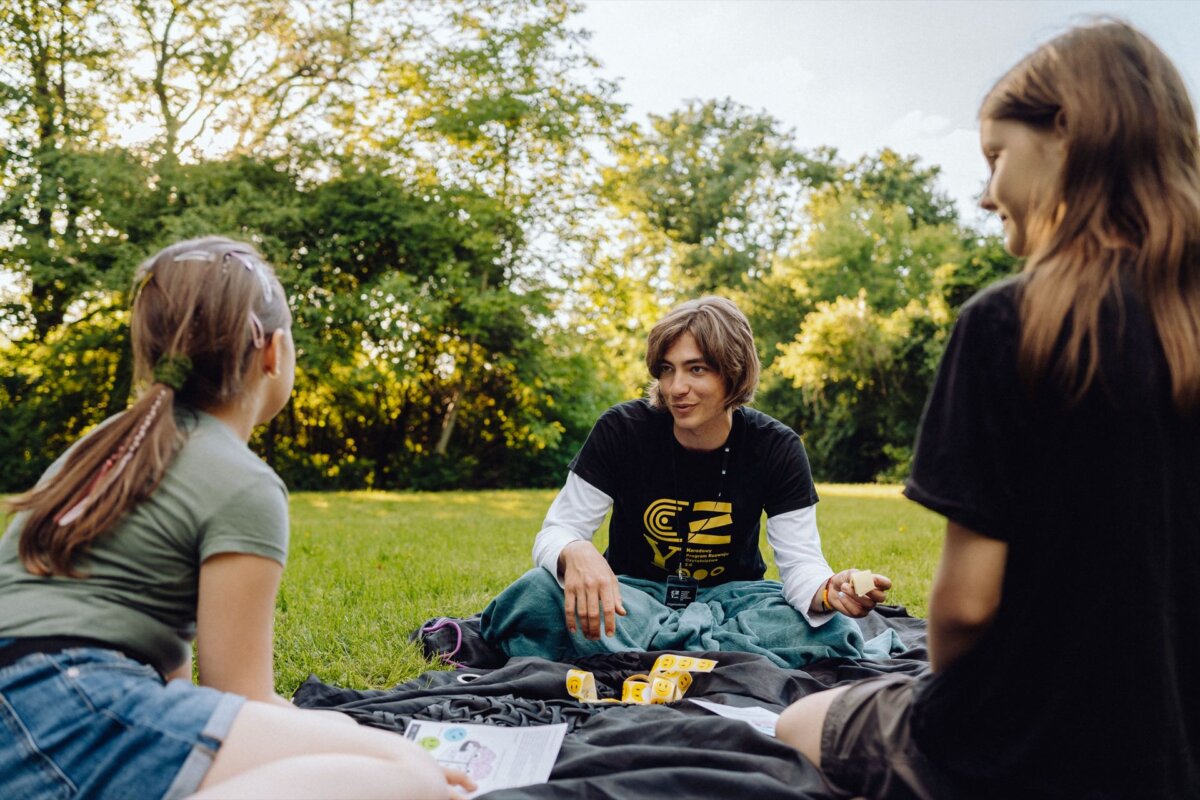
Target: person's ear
1060	128
272	351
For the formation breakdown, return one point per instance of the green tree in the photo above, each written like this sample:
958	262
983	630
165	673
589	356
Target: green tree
54	389
862	376
55	60
502	108
250	76
856	316
715	192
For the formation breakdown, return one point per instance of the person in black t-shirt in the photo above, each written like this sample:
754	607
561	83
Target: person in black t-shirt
1062	443
687	473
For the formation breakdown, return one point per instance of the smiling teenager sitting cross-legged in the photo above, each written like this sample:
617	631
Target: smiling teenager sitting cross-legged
687	473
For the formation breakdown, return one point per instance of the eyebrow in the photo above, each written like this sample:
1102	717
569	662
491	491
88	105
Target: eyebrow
690	361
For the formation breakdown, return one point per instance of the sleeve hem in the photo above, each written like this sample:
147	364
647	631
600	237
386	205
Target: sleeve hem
956	511
244	547
788	508
596	480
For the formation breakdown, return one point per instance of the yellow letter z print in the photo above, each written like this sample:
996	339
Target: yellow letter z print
722	517
659	520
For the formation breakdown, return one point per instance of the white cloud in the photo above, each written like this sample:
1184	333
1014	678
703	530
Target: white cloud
917	125
935	140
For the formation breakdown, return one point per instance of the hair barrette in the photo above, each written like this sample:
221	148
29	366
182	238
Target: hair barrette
139	286
257	333
251	262
195	255
256	267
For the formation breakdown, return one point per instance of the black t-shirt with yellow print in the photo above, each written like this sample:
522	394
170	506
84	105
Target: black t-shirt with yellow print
672	508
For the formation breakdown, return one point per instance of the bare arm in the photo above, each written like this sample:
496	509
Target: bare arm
966	593
234	625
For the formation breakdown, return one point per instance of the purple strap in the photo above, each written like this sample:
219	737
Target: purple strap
447	623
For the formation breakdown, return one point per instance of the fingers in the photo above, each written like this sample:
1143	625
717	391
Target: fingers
595	608
879	593
591	625
584	606
843	598
592	595
569	609
457	778
581	607
610	620
846	602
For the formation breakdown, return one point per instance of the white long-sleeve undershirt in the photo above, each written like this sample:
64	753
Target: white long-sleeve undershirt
579	509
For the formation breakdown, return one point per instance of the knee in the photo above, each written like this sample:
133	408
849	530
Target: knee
801	724
532	593
395	756
539	584
532	602
791	722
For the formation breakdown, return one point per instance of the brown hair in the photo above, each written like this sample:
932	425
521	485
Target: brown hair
201	308
723	335
1128	198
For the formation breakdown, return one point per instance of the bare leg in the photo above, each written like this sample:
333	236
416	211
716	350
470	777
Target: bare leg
264	735
800	723
317	777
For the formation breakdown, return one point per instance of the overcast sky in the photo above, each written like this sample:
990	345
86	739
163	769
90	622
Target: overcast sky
853	74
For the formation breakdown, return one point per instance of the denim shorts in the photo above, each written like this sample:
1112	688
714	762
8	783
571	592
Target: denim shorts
93	723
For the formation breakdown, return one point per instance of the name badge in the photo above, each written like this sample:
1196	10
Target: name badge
681	592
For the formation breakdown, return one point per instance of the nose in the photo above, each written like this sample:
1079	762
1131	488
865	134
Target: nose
985	200
679	386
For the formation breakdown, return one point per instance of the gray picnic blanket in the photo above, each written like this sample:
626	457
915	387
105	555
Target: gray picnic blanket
613	751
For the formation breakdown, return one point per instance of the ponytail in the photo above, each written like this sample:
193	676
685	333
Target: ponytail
106	475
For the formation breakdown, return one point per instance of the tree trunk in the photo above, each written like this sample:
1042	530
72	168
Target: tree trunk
448	421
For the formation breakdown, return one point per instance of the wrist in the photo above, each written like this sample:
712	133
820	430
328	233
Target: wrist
564	555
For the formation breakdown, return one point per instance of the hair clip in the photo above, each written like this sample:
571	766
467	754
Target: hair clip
254	265
257	333
139	286
195	255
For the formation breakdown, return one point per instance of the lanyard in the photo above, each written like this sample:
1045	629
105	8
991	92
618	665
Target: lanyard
685	536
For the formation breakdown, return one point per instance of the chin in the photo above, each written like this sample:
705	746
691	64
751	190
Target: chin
688	420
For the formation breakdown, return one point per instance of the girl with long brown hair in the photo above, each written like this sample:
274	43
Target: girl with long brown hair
158	527
1062	444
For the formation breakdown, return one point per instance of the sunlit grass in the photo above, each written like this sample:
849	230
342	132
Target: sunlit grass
366	568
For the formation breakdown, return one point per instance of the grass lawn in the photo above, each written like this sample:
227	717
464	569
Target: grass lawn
366	568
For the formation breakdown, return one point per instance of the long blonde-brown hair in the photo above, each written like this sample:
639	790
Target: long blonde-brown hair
201	309
1128	198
